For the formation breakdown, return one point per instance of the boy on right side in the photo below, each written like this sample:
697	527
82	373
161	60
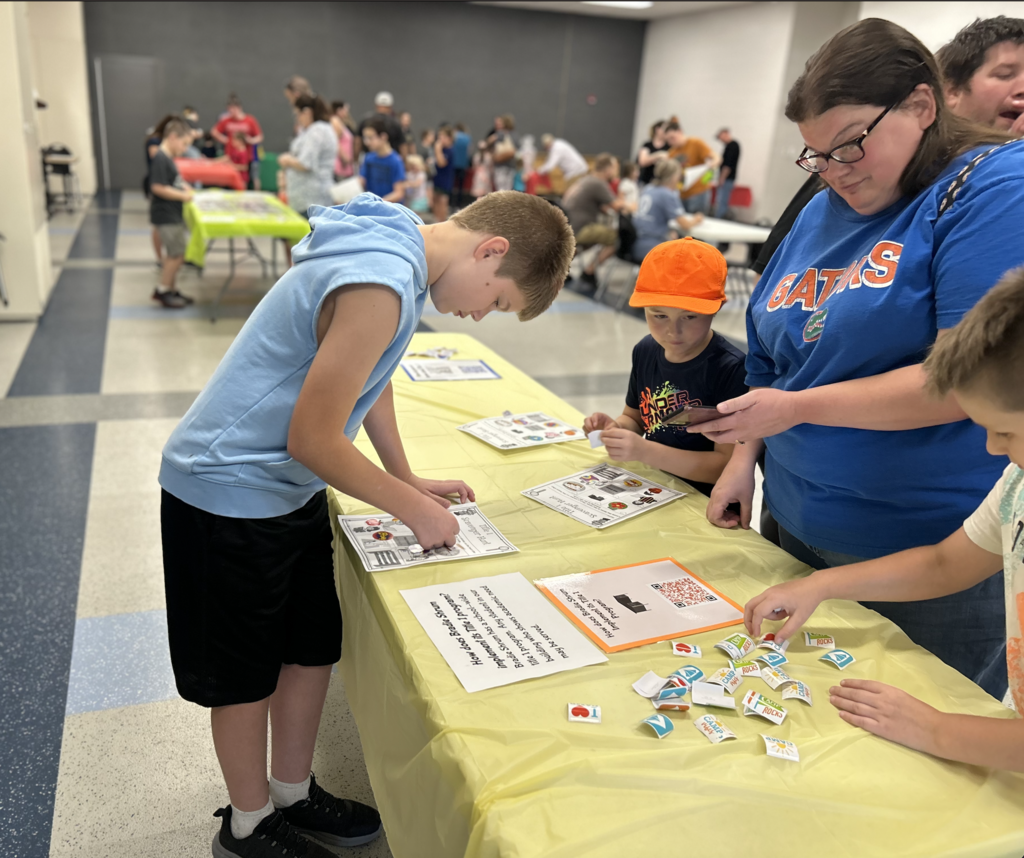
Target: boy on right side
981	363
682	362
168	193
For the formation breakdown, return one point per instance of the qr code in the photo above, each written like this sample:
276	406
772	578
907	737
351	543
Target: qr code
684	592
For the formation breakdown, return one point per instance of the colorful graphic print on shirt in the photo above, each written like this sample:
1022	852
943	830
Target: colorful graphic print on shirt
657	404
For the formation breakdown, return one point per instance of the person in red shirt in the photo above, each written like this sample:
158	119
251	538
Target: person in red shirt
237	120
239	153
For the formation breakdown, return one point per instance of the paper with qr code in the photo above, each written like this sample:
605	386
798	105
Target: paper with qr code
516	431
383	542
629	606
448	370
602	496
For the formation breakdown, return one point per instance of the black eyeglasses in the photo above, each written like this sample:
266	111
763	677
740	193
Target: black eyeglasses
845	153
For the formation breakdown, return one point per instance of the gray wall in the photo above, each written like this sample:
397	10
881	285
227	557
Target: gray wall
442	61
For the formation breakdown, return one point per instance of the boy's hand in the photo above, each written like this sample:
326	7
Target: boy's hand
437	489
887	712
433	526
597	420
736	485
794	599
623	445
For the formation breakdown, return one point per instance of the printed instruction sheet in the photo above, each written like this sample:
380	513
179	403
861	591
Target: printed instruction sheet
448	370
384	542
629	606
514	431
602	496
500	630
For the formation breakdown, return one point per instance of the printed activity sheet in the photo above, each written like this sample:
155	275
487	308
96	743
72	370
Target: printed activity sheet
602	496
515	431
383	542
448	370
629	606
500	630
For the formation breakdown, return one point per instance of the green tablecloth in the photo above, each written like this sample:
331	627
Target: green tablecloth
238	214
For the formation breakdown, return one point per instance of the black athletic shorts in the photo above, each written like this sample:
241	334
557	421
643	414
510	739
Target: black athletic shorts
245	596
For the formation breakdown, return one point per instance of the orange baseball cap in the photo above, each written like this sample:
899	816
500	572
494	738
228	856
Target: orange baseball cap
685	273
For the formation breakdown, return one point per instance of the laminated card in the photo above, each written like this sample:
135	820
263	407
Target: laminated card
448	370
383	542
630	606
602	495
522	430
500	630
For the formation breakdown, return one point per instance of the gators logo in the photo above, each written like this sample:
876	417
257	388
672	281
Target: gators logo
815	325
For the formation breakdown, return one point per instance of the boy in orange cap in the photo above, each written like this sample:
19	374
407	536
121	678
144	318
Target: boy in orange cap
682	362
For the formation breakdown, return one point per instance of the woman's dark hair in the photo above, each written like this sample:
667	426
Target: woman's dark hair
158	129
654	128
337	105
314	103
878	62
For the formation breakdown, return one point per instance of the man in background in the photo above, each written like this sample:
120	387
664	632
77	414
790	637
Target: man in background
692	152
727	172
584	203
562	154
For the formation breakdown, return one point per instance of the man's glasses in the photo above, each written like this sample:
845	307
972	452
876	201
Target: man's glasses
845	153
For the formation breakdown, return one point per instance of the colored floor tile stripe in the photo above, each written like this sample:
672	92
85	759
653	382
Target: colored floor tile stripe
44	493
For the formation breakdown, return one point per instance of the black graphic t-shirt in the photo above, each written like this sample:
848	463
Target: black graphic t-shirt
657	387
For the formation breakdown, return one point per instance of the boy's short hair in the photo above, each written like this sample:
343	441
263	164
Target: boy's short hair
665	169
541	243
379	125
986	348
964	54
603	162
177	128
446	129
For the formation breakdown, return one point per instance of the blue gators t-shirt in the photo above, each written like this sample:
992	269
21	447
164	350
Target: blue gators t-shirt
382	173
850	296
229	455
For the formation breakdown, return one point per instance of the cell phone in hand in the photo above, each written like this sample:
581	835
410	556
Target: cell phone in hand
691	415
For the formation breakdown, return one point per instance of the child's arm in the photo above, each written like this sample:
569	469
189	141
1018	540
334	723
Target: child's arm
897	716
397	193
169	192
439	157
363	321
955	564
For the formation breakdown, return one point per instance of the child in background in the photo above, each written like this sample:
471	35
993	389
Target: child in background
629	190
979	362
383	172
682	362
239	153
444	174
518	180
426	151
168	192
254	624
417	192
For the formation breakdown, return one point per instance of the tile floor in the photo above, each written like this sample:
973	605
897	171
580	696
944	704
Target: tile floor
98	756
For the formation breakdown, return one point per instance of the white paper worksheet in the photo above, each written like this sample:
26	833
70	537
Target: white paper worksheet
448	370
602	495
514	431
500	630
384	542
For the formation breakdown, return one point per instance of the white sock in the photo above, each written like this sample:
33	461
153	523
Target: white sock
244	822
285	795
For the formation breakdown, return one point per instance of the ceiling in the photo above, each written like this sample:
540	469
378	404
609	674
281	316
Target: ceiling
660	9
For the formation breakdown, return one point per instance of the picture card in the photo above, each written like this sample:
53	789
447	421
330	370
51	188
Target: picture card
448	370
519	431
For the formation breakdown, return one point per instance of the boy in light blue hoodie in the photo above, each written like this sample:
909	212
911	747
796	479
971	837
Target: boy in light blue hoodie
253	615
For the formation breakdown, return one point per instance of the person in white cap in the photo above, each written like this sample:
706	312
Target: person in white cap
384	107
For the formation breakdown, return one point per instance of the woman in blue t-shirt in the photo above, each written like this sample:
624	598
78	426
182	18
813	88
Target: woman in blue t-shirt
911	232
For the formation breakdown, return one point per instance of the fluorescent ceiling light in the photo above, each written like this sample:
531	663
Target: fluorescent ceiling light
621	4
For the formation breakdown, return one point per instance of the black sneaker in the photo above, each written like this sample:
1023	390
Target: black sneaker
186	298
171	300
335	821
273	838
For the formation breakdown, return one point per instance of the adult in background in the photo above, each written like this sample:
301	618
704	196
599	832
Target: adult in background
652	152
295	86
726	172
502	145
309	161
692	152
344	164
384	109
461	154
660	215
236	122
911	231
408	141
585	203
563	155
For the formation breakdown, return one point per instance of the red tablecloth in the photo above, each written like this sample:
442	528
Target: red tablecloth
220	174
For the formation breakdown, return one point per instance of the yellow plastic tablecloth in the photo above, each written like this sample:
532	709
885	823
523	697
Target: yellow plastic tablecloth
237	214
502	773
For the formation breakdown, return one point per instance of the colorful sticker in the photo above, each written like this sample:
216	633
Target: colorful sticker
616	505
690	673
660	724
839	657
713	727
383	535
746	668
575	487
798	691
818	639
768	642
772	659
633	484
587	714
373	522
780	748
737	645
671	705
755	703
683	648
705	694
728	678
776	677
672	692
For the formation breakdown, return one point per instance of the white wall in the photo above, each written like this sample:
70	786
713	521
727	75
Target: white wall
719	68
60	76
937	23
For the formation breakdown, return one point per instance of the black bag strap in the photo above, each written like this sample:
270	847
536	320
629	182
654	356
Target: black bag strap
953	191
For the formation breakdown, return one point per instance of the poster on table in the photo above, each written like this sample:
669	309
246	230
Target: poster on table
602	496
383	542
448	370
515	431
629	606
500	630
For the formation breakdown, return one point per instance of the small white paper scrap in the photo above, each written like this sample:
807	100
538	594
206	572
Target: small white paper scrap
706	694
649	684
595	438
